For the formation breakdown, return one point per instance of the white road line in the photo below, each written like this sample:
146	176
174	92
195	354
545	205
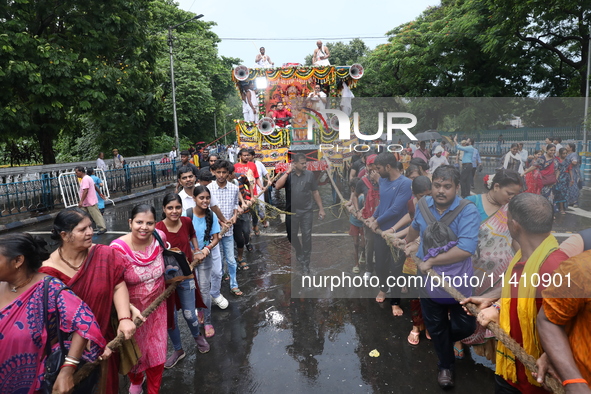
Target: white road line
579	212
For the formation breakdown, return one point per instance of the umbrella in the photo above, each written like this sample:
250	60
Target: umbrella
199	143
428	135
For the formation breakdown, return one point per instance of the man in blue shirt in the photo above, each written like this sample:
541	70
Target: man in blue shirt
445	319
476	163
395	191
466	172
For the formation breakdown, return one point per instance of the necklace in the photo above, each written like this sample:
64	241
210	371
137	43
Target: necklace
15	288
441	210
135	249
75	268
492	201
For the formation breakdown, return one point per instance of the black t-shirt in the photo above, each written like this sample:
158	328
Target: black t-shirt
358	166
299	188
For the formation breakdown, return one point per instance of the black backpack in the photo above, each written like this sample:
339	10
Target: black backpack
438	233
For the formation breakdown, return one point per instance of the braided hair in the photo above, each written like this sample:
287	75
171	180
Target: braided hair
208	214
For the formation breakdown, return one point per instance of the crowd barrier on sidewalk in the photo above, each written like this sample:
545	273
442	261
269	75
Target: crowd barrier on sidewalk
41	192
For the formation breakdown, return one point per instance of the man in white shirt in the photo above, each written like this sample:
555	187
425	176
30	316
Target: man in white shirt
437	160
172	154
317	99
231	154
100	162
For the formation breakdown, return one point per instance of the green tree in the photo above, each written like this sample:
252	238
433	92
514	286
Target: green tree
342	54
61	61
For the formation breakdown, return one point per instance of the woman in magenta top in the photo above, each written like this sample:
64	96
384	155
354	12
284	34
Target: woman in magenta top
144	276
180	234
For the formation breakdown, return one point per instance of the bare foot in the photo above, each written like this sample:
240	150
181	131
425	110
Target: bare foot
381	297
397	310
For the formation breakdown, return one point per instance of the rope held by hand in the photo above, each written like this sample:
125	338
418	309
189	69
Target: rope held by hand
86	370
519	352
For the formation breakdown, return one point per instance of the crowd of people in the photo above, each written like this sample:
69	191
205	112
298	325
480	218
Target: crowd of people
408	217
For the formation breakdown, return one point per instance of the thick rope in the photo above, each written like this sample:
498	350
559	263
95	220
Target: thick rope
525	358
86	370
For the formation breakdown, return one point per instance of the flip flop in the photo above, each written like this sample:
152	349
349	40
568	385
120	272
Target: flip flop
236	291
200	317
209	331
413	338
459	353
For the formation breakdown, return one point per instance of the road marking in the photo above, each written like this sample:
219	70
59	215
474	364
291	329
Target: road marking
579	212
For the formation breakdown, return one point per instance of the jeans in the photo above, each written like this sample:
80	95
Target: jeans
301	220
186	292
216	272
386	265
444	330
465	179
228	257
204	278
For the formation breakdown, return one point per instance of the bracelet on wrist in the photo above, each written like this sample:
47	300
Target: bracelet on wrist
71	360
571	381
496	306
125	318
69	365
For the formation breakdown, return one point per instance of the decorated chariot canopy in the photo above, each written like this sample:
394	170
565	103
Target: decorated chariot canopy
294	87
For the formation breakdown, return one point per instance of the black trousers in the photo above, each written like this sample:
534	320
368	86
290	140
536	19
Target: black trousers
242	230
386	266
446	330
465	179
301	221
503	387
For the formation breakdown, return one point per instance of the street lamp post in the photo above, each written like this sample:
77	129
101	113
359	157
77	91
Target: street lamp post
176	126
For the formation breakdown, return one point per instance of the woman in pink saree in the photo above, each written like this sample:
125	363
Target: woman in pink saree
23	336
144	275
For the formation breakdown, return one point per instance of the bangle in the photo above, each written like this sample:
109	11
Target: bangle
72	360
569	381
208	247
496	306
66	365
126	318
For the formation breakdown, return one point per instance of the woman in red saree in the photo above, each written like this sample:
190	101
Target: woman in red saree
95	274
23	336
145	276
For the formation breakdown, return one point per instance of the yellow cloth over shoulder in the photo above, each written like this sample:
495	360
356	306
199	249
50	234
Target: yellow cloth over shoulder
526	310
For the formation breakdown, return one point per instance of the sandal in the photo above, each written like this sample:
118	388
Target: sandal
413	338
236	291
459	353
355	269
257	232
242	265
249	247
209	331
226	277
200	317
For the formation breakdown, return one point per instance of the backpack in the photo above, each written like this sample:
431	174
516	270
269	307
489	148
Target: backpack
438	233
372	199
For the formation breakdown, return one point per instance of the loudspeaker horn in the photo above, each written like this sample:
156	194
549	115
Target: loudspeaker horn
266	126
241	73
356	71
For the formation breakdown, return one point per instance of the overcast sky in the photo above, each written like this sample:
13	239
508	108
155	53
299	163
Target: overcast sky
330	21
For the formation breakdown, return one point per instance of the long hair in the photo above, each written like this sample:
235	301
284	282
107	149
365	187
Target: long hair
208	214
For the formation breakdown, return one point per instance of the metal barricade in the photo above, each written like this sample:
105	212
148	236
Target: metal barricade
69	189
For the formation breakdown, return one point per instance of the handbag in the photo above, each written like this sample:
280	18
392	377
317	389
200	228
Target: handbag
176	266
55	359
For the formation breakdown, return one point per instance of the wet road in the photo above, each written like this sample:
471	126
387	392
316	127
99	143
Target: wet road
273	341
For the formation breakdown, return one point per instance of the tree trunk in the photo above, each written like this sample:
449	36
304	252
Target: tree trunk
45	138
